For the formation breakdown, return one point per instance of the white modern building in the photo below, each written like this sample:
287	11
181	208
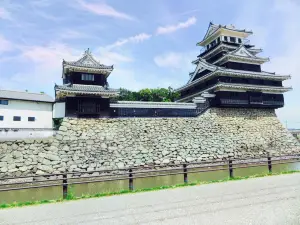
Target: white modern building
24	114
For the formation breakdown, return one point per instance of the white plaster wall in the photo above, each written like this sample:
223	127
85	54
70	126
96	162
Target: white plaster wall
59	110
42	111
25	134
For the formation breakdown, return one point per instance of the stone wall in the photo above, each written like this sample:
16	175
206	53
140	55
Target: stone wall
93	144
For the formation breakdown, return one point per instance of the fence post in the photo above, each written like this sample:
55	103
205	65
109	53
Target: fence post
230	168
185	175
65	186
130	180
269	164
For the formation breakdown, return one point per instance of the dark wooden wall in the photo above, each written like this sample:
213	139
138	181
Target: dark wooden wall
75	78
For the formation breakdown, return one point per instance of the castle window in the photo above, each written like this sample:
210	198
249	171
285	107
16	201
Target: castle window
240	40
3	102
232	39
87	77
225	38
1	118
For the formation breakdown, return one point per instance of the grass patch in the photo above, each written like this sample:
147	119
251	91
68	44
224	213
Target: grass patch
71	196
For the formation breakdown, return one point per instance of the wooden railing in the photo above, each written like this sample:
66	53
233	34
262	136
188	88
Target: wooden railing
66	179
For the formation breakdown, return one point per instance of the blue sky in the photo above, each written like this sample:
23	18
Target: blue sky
150	43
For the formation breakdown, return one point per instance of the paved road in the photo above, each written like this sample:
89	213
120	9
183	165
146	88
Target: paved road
267	201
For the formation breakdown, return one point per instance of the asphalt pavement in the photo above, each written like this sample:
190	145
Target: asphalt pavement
271	200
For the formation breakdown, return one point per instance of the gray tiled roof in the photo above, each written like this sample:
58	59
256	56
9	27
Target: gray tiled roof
19	95
88	61
84	88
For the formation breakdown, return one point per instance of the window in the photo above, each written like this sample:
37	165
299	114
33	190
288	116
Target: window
88	77
240	40
17	118
232	39
225	38
31	119
218	40
3	102
1	118
213	43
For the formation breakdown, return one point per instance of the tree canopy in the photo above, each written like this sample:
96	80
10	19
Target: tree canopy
149	95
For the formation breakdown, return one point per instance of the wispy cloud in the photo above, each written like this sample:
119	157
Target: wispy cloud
72	34
108	57
133	39
175	60
103	9
41	3
47	16
172	28
188	12
5	45
4	14
169	60
50	55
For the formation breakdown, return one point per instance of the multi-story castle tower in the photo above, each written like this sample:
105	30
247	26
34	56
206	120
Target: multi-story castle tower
229	69
85	91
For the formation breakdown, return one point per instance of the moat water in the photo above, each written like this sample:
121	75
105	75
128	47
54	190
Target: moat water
49	193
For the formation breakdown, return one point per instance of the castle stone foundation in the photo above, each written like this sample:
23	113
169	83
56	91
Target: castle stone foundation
94	144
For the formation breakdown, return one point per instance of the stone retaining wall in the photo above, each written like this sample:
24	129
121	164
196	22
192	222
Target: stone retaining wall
94	144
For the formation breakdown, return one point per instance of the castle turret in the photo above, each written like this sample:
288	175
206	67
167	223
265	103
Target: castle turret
85	88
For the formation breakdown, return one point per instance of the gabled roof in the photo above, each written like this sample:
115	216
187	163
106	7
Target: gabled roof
241	54
87	61
26	96
201	65
217	70
242	51
213	28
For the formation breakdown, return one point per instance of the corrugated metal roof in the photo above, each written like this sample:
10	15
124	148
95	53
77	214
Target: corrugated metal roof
19	95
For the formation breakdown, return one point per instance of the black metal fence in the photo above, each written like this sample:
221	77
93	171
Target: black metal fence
66	179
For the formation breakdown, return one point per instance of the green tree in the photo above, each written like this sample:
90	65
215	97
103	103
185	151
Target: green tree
155	95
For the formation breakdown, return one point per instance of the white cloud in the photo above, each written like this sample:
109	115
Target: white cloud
103	9
4	14
49	55
172	28
108	57
72	34
133	39
45	66
41	3
169	60
176	60
5	45
126	79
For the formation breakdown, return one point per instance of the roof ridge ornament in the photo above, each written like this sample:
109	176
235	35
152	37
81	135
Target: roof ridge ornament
87	52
